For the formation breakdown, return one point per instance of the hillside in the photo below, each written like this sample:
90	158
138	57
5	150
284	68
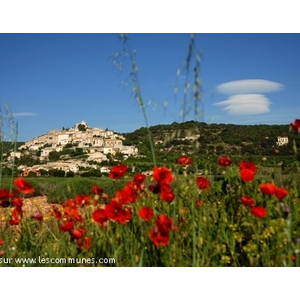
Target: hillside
206	141
80	151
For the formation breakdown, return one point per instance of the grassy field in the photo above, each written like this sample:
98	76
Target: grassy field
169	219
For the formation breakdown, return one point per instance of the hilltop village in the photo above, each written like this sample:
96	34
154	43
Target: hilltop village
74	148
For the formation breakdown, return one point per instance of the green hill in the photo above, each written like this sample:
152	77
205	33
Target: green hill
204	141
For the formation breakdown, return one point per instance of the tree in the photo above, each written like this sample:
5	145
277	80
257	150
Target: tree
81	127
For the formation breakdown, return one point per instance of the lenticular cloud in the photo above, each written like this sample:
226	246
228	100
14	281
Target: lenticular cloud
245	96
246	104
247	86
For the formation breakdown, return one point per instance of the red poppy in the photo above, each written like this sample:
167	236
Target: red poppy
16	216
281	193
71	210
67	226
56	213
100	217
97	190
81	200
199	203
5	194
248	165
23	186
167	196
127	195
164	221
267	188
139	181
247	175
154	188
115	211
162	175
296	126
146	213
78	233
259	211
17	202
160	232
224	161
247	171
1	242
159	237
118	171
166	193
37	216
184	160
202	183
2	252
84	243
247	200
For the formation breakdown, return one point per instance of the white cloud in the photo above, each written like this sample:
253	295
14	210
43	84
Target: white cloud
249	86
24	114
246	104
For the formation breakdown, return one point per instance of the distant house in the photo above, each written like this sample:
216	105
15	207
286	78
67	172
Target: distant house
282	141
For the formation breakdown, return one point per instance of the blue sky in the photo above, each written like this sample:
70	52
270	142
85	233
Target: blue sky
52	81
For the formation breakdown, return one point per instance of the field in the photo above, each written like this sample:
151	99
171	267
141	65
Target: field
246	215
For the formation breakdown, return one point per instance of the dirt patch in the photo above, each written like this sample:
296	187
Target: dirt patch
30	206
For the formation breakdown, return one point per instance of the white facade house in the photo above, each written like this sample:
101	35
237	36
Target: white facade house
282	140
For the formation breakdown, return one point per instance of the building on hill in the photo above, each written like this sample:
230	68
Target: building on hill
282	140
96	143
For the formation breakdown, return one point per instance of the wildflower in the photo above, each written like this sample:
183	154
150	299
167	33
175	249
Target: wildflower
139	180
162	175
67	226
97	190
115	211
17	202
293	257
23	186
154	188
202	183
56	213
267	188
2	253
247	171
259	211
5	194
166	193
128	194
1	242
37	216
184	160
247	200
199	203
71	211
82	200
84	243
118	171
100	217
280	193
295	126
146	213
16	216
159	236
160	232
224	161
78	233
